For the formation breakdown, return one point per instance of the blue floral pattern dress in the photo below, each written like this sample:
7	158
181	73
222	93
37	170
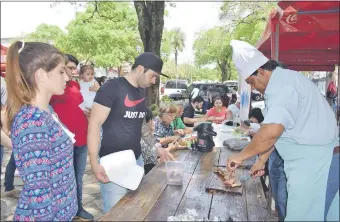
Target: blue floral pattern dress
43	154
162	130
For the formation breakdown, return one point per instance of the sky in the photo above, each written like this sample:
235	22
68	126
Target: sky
189	16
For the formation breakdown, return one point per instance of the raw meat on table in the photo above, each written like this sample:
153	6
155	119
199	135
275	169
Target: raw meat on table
229	177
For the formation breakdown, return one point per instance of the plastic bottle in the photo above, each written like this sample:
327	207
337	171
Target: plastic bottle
236	120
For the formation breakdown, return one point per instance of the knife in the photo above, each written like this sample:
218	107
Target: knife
244	177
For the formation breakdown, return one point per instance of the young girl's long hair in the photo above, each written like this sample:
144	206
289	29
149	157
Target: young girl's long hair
23	60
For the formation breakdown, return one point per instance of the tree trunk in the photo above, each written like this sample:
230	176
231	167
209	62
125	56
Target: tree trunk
224	71
150	25
176	57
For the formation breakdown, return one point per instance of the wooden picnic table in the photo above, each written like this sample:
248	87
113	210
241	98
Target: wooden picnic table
154	200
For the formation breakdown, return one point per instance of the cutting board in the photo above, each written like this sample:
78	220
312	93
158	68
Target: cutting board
215	184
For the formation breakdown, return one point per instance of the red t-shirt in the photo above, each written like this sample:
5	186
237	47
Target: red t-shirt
213	112
71	115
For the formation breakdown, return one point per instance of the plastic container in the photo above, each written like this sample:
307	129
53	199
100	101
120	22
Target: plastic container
175	172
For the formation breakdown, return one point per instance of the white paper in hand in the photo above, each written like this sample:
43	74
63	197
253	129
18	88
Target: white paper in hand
82	106
122	169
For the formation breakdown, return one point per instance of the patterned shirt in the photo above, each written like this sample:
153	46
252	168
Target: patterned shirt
43	154
147	143
162	130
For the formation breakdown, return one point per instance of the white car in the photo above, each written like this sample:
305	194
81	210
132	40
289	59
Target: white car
174	87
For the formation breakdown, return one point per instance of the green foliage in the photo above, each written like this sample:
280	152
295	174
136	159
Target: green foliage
46	33
106	33
212	47
247	19
242	20
166	99
173	41
177	39
154	109
165	45
189	72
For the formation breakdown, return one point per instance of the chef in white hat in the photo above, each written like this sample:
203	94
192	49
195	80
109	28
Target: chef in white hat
301	125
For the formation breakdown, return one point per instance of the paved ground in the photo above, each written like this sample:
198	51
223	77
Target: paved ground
91	192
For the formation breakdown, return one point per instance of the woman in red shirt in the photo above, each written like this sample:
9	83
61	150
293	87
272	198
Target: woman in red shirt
218	113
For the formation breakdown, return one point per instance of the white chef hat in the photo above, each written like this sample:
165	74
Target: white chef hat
246	58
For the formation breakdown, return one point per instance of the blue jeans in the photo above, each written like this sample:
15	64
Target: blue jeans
112	193
79	162
333	189
278	181
9	174
205	106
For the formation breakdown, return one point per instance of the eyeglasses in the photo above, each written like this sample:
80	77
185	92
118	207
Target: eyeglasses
72	68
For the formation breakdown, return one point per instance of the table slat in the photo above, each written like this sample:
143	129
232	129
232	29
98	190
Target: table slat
167	203
136	205
195	196
256	200
228	206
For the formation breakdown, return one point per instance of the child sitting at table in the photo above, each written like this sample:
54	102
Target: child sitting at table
218	113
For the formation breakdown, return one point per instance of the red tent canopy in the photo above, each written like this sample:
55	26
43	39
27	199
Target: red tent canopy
3	59
303	35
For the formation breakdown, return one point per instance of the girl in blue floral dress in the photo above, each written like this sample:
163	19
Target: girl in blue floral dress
42	146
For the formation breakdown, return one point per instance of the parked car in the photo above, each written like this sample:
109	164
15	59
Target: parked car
232	84
174	87
256	95
216	89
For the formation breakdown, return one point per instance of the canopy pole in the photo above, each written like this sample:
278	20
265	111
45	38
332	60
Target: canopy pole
318	12
275	38
338	103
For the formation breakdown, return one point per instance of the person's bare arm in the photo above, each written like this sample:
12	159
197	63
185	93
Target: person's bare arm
168	139
5	140
188	120
95	86
263	141
229	115
99	113
257	169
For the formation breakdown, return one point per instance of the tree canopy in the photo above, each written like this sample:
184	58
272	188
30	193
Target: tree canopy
106	33
240	20
212	47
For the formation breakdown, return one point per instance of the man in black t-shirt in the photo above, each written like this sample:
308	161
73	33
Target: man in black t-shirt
119	109
188	116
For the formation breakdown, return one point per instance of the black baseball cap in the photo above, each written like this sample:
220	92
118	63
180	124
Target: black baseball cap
150	61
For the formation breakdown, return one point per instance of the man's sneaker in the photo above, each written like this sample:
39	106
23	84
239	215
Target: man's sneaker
83	215
10	193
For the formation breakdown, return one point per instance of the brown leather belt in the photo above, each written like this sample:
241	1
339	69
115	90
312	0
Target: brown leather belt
336	149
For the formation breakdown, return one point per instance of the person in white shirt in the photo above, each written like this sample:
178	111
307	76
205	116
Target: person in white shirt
194	94
234	108
88	85
301	125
